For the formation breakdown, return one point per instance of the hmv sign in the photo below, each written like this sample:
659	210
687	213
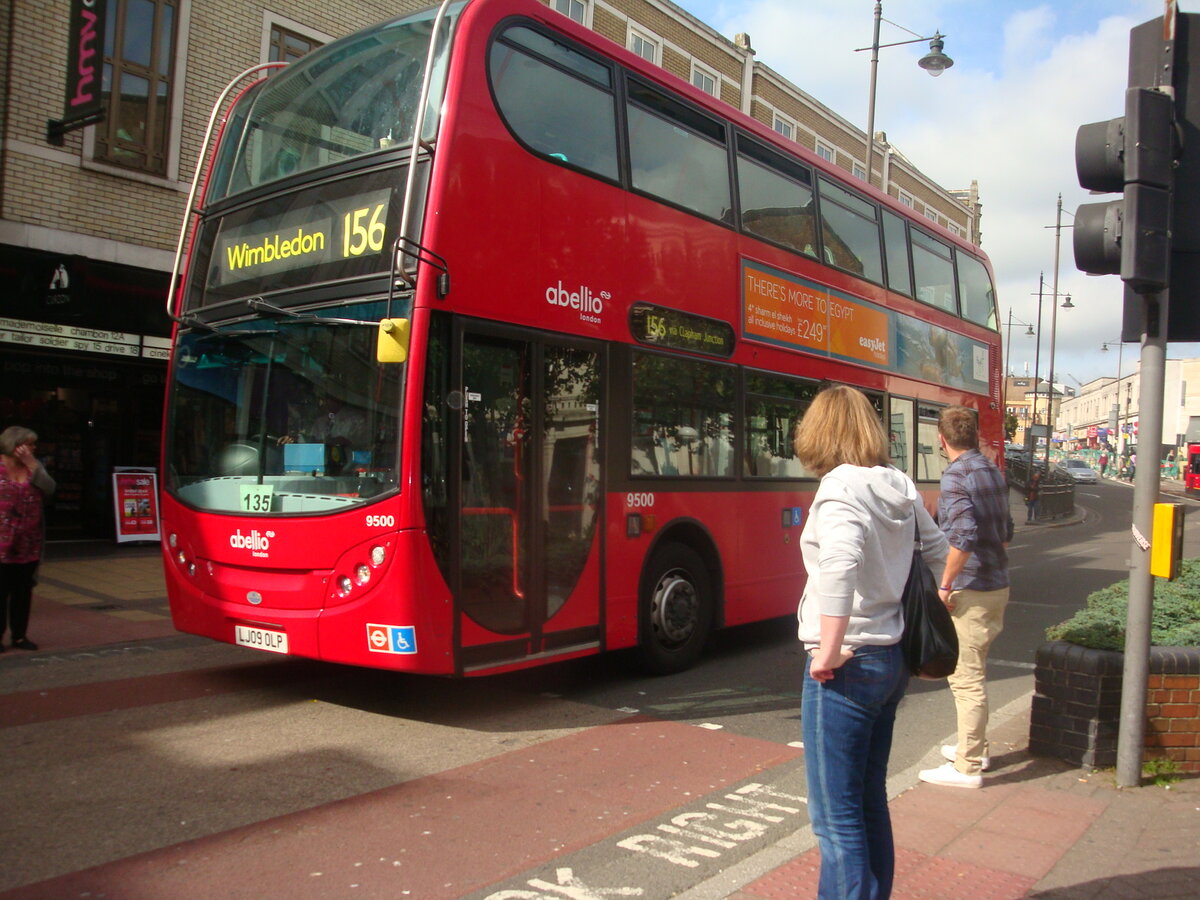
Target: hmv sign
85	58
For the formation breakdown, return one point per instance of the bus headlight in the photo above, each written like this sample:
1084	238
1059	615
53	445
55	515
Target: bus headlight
345	585
362	573
378	555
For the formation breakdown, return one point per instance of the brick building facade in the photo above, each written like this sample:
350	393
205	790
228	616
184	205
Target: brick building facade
89	221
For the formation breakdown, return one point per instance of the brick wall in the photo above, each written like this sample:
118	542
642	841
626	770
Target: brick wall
1077	705
1173	719
59	188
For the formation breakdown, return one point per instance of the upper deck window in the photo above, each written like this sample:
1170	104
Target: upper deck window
355	96
851	230
556	100
677	153
776	198
933	271
895	242
975	291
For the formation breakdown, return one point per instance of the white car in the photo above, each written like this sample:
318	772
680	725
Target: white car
1079	470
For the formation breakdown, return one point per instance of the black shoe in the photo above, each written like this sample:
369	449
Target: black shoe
24	644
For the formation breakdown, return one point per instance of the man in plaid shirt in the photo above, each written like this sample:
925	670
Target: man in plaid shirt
974	514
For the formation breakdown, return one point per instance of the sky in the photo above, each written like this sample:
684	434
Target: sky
1026	75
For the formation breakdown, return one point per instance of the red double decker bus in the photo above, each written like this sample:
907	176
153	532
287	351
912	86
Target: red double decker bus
491	341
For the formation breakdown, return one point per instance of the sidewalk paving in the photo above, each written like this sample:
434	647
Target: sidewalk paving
1037	828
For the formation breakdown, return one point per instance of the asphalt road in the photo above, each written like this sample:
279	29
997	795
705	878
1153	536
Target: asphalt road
179	768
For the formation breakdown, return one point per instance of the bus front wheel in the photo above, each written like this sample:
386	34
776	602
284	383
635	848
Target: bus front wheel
676	609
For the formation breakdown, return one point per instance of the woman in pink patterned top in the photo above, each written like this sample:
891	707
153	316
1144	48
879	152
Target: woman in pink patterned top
24	484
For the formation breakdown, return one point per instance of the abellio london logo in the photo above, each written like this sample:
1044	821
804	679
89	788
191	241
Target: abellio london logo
256	542
589	303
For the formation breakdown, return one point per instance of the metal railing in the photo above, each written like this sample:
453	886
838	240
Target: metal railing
1057	496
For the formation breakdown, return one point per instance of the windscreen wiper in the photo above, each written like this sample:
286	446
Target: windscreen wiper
259	305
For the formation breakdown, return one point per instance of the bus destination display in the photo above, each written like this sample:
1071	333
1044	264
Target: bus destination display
784	309
664	327
329	231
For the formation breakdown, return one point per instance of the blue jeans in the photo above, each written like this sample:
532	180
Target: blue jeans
847	726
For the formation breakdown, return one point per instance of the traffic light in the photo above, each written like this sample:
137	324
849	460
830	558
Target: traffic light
1128	237
1151	235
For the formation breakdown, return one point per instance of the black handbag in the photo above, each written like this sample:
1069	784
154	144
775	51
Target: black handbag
930	642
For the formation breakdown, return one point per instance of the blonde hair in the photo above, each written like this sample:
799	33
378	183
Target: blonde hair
840	426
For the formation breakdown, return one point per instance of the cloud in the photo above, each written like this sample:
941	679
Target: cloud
1005	115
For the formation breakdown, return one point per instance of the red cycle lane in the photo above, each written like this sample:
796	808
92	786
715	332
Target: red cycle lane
446	834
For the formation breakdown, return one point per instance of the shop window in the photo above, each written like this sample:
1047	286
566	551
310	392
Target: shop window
287	45
138	84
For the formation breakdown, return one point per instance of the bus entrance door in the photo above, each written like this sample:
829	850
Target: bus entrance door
529	497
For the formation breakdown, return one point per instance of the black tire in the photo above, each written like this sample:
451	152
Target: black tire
676	609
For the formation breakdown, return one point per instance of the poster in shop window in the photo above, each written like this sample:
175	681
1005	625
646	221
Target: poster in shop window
135	502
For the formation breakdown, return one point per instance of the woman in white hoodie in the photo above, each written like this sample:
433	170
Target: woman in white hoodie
857	548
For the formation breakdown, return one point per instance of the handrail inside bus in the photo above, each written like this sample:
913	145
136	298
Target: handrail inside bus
189	209
418	128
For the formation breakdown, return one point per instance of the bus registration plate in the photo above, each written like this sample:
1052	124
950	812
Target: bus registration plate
261	639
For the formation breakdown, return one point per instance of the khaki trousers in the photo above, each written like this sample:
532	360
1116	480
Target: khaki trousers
978	619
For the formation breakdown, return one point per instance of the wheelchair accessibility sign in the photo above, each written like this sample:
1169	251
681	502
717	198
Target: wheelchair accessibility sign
392	638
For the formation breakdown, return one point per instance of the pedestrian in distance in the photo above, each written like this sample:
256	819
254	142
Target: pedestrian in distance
857	547
1103	462
1033	496
973	513
24	485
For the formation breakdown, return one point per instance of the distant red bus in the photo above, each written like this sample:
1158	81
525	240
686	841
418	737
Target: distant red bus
1191	469
523	390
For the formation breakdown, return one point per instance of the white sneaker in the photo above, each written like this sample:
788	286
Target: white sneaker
950	752
950	777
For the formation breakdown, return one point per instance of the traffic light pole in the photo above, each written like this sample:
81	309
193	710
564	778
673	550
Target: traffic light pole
1131	737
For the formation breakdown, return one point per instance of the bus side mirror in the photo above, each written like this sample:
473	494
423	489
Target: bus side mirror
392	345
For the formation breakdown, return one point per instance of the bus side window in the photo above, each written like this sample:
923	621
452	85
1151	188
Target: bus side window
975	291
682	417
677	154
557	102
901	433
850	227
895	248
776	198
933	271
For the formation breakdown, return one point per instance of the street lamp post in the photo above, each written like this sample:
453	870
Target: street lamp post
934	62
1037	359
1117	396
1067	304
1008	355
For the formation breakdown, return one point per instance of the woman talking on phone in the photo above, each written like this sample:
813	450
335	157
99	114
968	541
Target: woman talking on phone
24	484
857	548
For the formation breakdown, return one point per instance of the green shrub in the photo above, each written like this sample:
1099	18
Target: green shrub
1175	621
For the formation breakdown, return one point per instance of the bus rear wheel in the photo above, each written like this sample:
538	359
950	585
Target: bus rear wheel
676	609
